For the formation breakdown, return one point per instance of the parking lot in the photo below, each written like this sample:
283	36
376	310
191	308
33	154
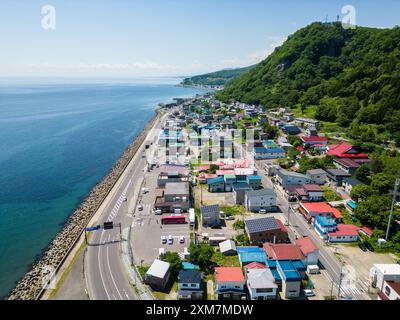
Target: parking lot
147	229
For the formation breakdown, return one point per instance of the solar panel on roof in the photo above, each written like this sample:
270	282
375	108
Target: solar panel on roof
264	224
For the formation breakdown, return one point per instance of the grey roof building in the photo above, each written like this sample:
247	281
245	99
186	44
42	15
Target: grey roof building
158	274
210	215
261	225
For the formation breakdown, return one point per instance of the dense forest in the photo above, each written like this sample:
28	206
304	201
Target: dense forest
347	76
219	78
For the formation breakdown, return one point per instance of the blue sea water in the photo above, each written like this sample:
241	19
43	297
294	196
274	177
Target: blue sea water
57	139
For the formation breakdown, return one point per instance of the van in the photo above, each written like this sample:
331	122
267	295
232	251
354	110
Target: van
312	269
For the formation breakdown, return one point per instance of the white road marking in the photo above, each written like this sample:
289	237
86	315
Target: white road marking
101	272
112	277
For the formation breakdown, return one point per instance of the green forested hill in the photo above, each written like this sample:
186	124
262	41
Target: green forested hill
351	77
219	78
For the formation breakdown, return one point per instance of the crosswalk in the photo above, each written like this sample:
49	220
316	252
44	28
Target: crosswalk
118	204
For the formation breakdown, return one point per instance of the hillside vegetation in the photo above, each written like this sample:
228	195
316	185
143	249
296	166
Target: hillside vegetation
347	76
219	78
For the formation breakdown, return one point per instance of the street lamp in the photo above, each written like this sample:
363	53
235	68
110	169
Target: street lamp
396	188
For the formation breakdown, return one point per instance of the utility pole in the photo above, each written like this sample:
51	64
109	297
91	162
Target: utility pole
396	188
288	215
340	281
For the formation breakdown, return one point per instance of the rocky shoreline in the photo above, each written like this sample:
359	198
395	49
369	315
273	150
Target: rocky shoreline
30	287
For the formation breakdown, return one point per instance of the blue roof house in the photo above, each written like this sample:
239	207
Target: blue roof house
251	254
291	278
254	181
323	225
216	184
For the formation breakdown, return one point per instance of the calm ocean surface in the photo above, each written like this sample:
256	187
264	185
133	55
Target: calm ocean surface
57	139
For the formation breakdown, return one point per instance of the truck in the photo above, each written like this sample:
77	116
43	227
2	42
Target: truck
312	269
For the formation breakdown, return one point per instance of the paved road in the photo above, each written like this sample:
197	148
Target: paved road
106	276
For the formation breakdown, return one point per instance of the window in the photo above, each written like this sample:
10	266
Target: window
185	285
237	287
193	285
387	290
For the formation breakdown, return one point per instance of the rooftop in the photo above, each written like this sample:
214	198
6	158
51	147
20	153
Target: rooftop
190	276
260	278
260	193
158	269
181	188
262	224
289	271
345	230
348	163
255	265
306	245
228	274
312	188
316	171
283	251
338	172
320	207
210	209
390	268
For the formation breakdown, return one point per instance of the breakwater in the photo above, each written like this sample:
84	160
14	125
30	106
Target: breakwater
31	285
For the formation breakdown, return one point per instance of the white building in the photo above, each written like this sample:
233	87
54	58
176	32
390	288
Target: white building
263	199
261	284
228	247
380	273
390	291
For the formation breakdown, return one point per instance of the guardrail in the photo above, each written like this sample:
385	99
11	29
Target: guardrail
139	139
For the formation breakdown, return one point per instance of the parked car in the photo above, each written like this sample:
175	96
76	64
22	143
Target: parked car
182	239
163	239
262	211
140	207
309	293
369	246
157	212
229	218
170	239
362	246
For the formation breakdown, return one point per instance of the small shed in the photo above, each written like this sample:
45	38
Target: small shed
228	248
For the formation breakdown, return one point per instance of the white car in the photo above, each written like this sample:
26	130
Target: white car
170	239
163	239
182	239
308	293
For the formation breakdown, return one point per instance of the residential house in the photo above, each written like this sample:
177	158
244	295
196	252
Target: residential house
228	248
254	181
309	141
291	129
266	229
190	285
158	275
261	284
229	283
210	216
176	195
310	192
229	180
262	153
349	183
308	123
347	165
337	176
317	176
390	291
263	199
291	279
345	150
379	273
248	255
239	191
323	225
287	178
344	233
311	210
309	250
172	176
216	184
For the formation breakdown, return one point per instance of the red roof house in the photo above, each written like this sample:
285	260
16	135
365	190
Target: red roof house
344	233
313	209
228	274
344	150
255	265
283	251
314	140
309	250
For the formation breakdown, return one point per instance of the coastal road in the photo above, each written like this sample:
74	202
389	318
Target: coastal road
106	276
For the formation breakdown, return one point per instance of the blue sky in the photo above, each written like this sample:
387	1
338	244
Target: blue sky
121	38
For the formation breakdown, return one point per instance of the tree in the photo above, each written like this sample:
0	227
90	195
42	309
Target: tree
374	211
174	260
362	192
362	173
202	255
382	183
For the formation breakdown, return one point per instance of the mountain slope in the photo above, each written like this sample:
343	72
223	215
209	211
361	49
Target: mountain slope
219	78
351	77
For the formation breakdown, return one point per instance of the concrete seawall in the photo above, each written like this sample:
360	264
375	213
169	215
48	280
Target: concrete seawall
31	285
